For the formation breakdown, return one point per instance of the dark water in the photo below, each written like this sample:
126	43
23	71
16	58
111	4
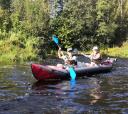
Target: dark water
21	93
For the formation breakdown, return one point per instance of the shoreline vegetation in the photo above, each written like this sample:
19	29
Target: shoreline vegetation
27	27
17	48
120	52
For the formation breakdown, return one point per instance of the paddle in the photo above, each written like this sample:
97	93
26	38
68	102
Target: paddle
76	51
72	72
56	41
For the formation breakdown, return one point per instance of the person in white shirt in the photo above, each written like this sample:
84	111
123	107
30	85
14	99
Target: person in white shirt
95	57
69	60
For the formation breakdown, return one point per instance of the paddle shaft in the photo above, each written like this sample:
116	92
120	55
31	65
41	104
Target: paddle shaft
61	51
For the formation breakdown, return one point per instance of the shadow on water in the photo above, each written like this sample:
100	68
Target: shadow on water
44	84
56	86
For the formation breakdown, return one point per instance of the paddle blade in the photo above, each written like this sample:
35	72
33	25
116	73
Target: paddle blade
72	73
73	82
55	40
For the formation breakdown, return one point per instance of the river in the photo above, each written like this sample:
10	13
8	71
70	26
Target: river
21	93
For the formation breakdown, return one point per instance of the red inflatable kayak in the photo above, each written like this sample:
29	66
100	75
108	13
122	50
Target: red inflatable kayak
41	72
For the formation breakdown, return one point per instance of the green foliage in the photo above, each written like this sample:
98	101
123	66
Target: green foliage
15	48
64	31
73	23
5	4
31	17
117	51
76	23
4	20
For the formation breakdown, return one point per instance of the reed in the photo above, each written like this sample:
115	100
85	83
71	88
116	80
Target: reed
16	47
121	52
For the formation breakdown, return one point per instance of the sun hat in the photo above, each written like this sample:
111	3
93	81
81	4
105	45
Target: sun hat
95	48
69	49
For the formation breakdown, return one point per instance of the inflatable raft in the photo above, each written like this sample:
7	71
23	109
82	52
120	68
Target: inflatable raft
41	72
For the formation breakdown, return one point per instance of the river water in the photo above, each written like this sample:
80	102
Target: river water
21	93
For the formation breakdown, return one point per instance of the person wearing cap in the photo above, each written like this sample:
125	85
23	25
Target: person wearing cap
69	60
95	57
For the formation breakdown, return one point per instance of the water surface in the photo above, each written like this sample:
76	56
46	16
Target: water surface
20	92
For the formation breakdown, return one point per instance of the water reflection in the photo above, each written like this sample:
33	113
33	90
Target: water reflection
62	92
89	91
45	84
95	90
70	93
61	87
105	93
46	87
54	86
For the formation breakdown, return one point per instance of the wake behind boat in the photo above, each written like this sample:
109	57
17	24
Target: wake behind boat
41	72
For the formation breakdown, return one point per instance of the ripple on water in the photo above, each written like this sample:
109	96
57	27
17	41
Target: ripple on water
20	92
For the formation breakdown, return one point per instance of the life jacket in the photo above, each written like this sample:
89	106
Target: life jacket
70	62
97	61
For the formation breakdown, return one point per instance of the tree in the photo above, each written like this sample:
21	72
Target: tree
31	16
5	4
72	24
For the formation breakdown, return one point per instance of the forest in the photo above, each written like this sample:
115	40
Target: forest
27	26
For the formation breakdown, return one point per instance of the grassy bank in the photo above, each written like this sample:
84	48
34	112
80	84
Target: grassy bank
121	52
19	47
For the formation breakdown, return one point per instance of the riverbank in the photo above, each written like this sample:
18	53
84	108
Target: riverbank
121	52
19	47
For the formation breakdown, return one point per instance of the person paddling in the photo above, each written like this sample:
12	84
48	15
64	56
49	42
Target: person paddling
95	57
69	60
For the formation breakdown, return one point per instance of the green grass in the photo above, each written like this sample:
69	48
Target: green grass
121	52
16	47
19	47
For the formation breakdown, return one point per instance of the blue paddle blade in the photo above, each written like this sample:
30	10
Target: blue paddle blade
73	82
55	40
72	73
